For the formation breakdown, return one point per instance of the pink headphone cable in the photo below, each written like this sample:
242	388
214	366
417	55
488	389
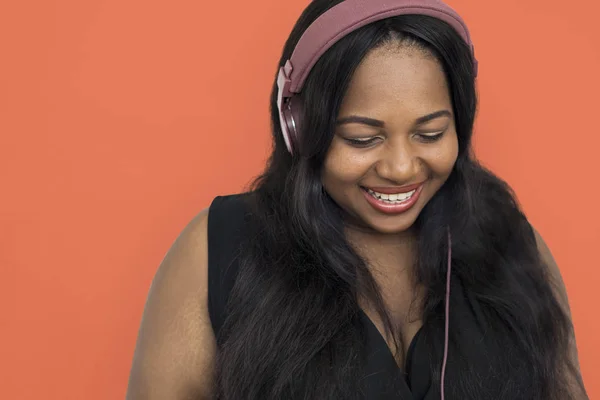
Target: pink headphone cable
447	322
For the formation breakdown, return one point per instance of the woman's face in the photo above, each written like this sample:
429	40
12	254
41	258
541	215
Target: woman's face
395	142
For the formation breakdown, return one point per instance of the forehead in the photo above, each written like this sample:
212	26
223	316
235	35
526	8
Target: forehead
394	77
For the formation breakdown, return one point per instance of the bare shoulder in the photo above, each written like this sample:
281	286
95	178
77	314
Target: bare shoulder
553	270
175	348
556	280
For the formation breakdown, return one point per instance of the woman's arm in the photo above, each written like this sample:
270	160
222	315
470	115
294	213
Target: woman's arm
175	347
576	382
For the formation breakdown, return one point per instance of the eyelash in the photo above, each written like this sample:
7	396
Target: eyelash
368	142
431	138
361	143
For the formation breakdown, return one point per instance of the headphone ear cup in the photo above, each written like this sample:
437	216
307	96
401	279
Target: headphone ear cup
294	116
286	121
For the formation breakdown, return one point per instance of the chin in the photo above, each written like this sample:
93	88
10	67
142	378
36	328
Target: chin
392	225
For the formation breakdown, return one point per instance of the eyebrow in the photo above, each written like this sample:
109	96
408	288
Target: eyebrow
355	119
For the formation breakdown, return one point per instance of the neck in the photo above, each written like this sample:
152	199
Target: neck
384	253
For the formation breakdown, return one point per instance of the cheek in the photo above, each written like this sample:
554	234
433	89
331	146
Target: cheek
441	161
343	167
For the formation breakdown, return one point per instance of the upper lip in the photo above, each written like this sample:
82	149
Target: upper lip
394	190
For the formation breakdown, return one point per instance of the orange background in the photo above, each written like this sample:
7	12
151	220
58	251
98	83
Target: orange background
121	119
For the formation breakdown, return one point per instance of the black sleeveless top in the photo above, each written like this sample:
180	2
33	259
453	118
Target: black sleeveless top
383	379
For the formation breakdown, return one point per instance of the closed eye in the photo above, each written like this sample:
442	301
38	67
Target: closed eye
361	142
429	138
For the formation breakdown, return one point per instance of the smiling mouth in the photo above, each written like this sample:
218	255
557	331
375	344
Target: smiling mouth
391	198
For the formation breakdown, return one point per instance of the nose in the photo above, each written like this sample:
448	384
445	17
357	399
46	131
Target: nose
399	162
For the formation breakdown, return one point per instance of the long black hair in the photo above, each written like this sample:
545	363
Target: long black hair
292	328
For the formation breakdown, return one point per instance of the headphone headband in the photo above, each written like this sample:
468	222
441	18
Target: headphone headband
333	25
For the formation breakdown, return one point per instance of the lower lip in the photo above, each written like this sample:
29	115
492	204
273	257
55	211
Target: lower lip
388	208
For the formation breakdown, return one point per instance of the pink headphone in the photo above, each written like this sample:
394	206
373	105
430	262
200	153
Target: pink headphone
330	27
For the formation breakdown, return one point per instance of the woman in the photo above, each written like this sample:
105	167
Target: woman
374	258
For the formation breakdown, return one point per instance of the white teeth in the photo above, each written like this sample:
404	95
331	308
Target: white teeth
392	198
